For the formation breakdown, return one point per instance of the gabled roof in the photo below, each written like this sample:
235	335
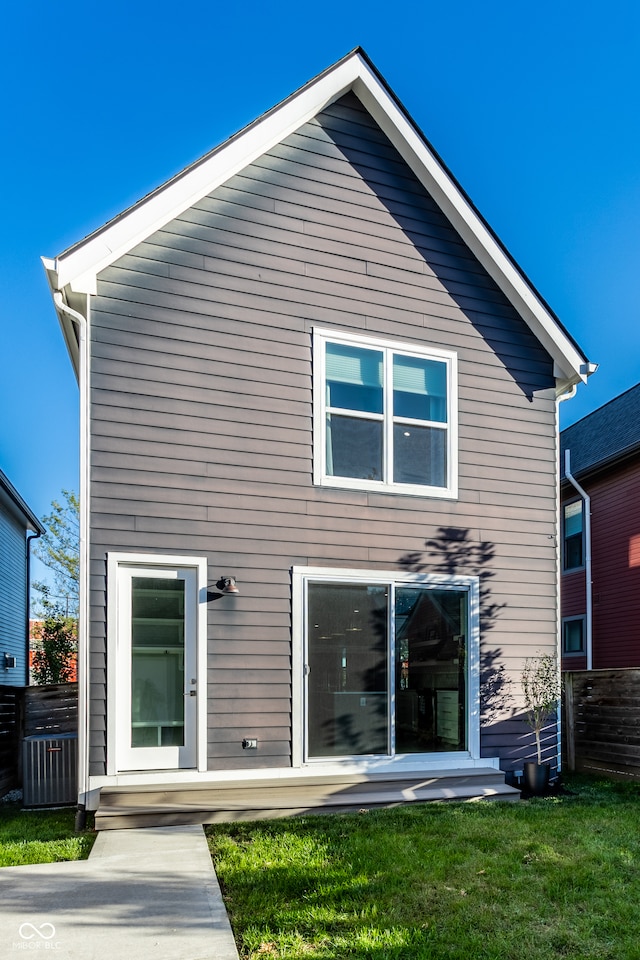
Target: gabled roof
12	500
74	272
609	434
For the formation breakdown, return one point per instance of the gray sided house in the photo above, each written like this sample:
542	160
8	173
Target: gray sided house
308	367
18	526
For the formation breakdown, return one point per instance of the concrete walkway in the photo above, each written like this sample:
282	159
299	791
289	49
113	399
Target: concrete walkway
142	893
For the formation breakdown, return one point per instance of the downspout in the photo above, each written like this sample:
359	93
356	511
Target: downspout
586	499
83	610
32	536
566	395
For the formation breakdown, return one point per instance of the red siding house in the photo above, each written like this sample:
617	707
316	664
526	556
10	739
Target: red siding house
600	516
319	471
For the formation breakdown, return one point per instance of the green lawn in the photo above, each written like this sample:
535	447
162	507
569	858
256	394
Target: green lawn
40	836
545	878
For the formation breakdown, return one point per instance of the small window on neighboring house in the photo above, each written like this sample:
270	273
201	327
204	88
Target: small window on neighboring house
385	416
573	635
573	556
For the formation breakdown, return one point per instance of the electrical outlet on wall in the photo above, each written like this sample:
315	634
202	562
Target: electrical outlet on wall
249	744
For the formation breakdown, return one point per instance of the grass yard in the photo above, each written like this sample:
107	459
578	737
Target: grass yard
40	836
541	879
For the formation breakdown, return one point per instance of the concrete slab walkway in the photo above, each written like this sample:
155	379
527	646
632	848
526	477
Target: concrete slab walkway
142	893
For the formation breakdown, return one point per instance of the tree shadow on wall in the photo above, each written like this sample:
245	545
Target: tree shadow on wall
454	553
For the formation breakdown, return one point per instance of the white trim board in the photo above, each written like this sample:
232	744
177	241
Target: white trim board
159	561
75	270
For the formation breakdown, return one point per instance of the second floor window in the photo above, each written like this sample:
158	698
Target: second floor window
385	416
573	629
573	540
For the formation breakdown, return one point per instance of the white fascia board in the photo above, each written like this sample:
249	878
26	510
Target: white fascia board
67	327
80	268
469	225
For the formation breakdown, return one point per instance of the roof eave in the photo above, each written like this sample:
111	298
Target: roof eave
10	496
77	269
571	365
617	459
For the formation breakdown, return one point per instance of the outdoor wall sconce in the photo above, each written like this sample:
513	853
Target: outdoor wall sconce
227	585
9	662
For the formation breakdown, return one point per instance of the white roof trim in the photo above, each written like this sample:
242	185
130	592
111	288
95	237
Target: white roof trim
78	269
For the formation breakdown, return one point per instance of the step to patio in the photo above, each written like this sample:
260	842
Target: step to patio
267	798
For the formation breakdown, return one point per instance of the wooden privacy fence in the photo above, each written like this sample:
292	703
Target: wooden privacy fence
601	722
10	729
32	711
50	710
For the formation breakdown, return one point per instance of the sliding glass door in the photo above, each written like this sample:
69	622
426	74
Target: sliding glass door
348	682
430	670
386	667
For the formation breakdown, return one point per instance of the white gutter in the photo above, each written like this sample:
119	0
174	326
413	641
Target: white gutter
587	549
83	619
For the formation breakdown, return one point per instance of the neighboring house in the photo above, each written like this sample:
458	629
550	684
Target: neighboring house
18	527
35	636
601	566
307	364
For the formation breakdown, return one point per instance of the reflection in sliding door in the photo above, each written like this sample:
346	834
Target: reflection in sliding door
430	670
348	713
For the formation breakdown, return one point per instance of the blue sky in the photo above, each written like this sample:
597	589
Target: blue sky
534	107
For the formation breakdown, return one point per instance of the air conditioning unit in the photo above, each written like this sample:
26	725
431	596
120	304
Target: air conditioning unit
50	770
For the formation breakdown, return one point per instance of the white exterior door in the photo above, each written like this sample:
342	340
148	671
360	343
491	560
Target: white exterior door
156	696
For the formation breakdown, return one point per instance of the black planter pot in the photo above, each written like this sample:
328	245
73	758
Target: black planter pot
536	777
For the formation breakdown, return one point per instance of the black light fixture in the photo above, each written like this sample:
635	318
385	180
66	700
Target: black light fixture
227	585
9	662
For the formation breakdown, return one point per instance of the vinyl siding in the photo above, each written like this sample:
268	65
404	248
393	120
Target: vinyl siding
615	526
615	572
13	598
574	593
201	378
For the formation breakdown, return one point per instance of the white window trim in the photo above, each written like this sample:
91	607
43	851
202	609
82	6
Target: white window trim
301	577
199	564
320	477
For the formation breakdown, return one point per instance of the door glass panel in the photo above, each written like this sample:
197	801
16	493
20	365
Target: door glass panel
157	662
348	677
430	670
